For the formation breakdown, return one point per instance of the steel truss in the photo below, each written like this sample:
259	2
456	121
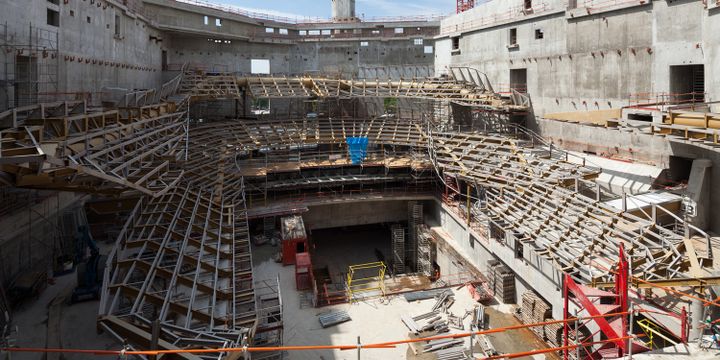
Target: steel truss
108	152
184	259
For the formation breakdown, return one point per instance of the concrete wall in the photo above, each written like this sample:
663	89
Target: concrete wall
587	59
83	53
291	48
358	213
31	234
655	150
531	271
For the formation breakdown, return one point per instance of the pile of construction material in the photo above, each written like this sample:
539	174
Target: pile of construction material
447	349
333	318
536	310
440	320
433	320
501	281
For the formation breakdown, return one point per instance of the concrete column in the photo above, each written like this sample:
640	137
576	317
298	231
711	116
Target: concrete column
343	10
699	192
696	317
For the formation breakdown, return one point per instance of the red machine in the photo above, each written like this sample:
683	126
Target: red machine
303	271
465	5
293	238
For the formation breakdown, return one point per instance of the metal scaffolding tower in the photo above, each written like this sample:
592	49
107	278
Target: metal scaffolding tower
415	218
425	251
398	245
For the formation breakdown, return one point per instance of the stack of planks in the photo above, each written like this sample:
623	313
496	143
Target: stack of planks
535	310
502	281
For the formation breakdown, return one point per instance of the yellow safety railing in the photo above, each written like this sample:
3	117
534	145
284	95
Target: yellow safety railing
365	278
652	330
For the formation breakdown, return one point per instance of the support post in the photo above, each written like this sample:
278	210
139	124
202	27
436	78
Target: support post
468	204
566	305
577	342
473	328
630	340
358	348
683	326
155	338
187	130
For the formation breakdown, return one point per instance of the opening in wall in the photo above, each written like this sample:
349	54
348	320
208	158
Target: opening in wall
164	60
456	44
518	80
687	83
117	25
260	66
26	80
512	37
677	174
53	17
539	34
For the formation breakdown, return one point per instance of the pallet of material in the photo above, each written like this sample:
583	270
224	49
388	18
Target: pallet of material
334	318
535	310
501	281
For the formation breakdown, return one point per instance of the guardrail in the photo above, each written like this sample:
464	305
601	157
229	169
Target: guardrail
152	96
304	19
513	13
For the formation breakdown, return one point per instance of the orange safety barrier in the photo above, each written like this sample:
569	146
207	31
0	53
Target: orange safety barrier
385	345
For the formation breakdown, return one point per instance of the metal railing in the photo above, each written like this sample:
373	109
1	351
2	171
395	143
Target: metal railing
512	14
303	19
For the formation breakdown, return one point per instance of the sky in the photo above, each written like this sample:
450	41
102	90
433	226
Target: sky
368	8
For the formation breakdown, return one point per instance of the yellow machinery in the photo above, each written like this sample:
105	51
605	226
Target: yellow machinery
365	280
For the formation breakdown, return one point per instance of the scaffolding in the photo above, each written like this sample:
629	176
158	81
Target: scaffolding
415	219
398	248
426	251
268	301
30	66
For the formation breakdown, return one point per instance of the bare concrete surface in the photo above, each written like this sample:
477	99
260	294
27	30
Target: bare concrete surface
73	325
373	321
691	351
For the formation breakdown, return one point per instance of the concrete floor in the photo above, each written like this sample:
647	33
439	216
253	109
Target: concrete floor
373	321
75	328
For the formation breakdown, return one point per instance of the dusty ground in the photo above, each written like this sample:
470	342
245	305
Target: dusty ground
373	321
71	325
76	327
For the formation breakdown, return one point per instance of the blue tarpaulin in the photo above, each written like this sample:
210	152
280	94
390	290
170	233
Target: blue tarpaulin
358	149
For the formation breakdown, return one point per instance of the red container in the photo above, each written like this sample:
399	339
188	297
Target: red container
303	271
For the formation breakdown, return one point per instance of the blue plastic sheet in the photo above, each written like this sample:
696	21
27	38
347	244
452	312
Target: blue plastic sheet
358	149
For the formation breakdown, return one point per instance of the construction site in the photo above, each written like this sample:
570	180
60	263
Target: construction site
189	179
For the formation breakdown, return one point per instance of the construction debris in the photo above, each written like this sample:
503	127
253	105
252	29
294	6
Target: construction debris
486	346
444	301
436	345
453	353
